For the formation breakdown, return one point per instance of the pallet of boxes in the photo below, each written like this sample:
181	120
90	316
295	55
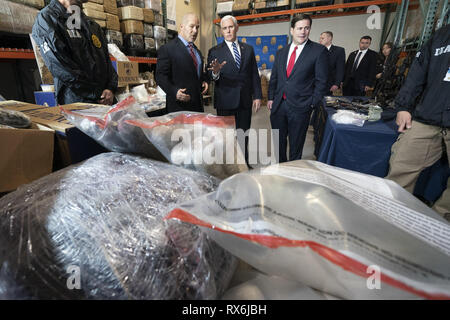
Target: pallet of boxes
94	9
159	32
18	16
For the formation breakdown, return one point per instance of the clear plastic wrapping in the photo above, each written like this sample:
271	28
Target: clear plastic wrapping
16	17
149	44
196	141
108	126
114	37
159	21
96	231
133	41
148	30
349	234
160	33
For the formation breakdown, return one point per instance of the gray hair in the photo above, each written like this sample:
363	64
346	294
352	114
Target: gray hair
229	17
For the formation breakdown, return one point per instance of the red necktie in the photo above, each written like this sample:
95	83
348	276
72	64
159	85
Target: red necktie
291	62
290	66
194	58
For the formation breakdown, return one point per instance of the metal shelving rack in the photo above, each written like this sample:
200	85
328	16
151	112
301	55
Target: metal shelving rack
15	53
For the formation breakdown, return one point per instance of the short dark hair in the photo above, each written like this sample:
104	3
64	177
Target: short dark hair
329	33
298	17
367	38
389	44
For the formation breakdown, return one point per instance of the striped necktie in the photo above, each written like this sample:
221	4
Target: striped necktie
194	58
237	56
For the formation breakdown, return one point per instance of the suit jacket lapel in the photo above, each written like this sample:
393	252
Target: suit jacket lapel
228	56
284	61
186	55
303	55
241	46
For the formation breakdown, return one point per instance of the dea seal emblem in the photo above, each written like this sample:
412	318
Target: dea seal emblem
96	41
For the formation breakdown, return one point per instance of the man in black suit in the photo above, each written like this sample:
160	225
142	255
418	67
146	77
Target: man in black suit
360	69
336	65
179	69
297	86
235	72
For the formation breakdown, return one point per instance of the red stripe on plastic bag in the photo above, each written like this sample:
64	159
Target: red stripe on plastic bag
98	121
333	256
206	119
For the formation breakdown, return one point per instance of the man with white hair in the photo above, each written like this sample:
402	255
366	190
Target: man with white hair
179	69
232	65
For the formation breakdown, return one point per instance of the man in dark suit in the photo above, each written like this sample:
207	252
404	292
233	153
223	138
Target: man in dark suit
360	69
297	86
336	65
235	72
179	69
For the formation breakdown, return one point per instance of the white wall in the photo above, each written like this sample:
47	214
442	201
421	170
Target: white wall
347	30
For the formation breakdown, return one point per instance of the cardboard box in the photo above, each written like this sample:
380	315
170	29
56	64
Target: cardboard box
98	15
153	4
132	27
149	16
131	13
260	5
110	6
127	72
39	4
93	6
71	145
27	155
282	3
112	22
96	1
240	5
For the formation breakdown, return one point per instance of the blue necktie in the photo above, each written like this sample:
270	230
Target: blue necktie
237	57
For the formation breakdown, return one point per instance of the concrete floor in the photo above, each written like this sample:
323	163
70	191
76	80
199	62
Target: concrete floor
261	120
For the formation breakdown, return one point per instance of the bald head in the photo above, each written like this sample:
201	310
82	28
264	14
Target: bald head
189	27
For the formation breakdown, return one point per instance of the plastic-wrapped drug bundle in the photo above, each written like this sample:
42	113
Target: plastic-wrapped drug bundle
196	141
96	231
15	119
349	234
108	127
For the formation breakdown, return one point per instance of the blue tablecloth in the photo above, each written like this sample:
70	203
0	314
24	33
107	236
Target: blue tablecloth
367	149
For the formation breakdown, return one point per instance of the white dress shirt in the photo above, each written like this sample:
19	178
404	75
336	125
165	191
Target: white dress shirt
230	46
361	57
297	53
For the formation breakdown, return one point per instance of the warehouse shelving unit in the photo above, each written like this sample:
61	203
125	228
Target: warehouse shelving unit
17	53
316	11
13	53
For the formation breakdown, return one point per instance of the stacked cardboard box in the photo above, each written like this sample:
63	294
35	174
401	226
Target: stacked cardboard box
131	18
241	5
96	12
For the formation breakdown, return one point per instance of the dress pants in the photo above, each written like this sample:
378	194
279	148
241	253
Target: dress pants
352	88
291	122
243	119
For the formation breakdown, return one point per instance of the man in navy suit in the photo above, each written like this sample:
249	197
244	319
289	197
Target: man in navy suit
336	65
360	70
179	69
296	87
233	68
